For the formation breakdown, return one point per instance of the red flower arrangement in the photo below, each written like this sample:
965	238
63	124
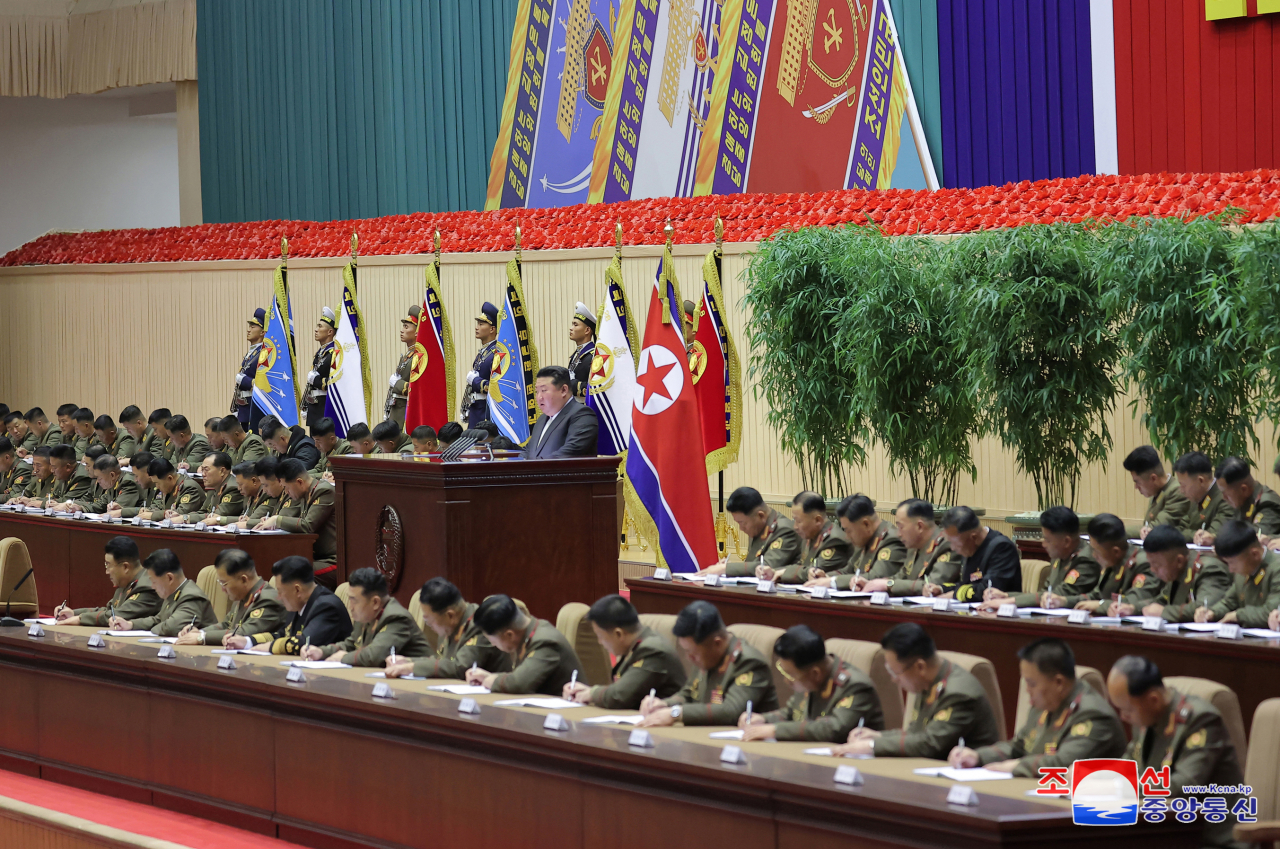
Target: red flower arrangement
747	218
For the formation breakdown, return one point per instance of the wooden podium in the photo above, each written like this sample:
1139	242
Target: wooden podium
543	531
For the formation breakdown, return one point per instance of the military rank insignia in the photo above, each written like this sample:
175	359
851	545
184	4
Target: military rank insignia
743	680
1082	729
883	555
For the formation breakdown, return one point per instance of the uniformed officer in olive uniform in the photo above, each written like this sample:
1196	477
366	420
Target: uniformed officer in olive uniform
1072	573
1126	576
475	397
542	661
243	447
1256	591
1167	506
255	607
1209	509
316	390
20	433
144	436
71	481
119	444
183	606
111	487
270	497
222	501
1186	579
40	486
175	495
134	597
877	550
772	541
325	435
381	625
646	664
823	543
461	643
317	615
398	386
730	674
1177	731
582	333
831	697
929	561
313	515
1068	721
14	475
1254	503
242	391
950	703
189	449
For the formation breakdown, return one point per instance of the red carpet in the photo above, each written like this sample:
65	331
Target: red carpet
133	817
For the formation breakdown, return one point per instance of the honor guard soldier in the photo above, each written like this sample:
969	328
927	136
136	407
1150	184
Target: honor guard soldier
317	388
1069	720
582	333
398	392
730	673
823	544
1168	506
772	539
134	597
242	394
475	399
646	662
542	661
460	642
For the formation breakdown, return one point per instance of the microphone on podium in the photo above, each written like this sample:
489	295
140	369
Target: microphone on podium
9	621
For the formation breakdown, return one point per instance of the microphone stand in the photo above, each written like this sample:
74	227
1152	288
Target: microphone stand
8	621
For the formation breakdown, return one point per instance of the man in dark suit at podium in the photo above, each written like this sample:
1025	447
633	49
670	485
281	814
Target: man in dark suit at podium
566	428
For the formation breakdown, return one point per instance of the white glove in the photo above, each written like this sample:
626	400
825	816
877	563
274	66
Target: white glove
395	378
312	375
239	378
472	375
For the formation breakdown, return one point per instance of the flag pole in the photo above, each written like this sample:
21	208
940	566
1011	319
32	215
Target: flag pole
355	250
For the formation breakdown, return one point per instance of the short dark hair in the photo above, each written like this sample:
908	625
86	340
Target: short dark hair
105	463
856	507
122	548
227	424
160	414
744	499
162	561
1164	538
245	470
614	611
1060	520
130	413
809	502
502	443
1143	460
1108	528
291	469
214	423
496	613
918	508
449	432
267	467
161	468
93	452
294	569
177	424
699	621
801	645
423	432
234	561
221	459
268	426
1140	674
68	409
359	430
1193	463
370	580
6	445
323	427
439	595
909	642
1232	470
386	430
1234	538
63	452
488	427
559	375
963	519
35	414
12	416
84	414
45	450
1051	656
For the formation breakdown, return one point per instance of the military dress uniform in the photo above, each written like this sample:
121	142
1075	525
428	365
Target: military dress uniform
316	392
125	493
543	663
251	450
145	497
778	545
829	552
224	503
954	706
74	488
242	404
398	393
651	664
193	453
1083	726
829	715
315	516
1203	583
720	696
341	448
881	557
123	446
261	506
467	645
1262	510
53	436
1170	507
1253	597
321	621
934	563
186	606
28	443
39	487
475	397
1130	582
1071	579
150	442
135	600
580	368
259	612
1192	740
13	483
1211	513
185	498
370	643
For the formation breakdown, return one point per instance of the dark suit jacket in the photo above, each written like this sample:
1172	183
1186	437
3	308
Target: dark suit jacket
324	620
572	433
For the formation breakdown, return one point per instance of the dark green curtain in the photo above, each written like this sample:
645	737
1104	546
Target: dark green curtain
335	109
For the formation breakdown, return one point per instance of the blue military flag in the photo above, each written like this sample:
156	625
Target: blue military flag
275	387
515	362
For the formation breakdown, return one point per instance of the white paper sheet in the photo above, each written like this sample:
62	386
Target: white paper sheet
42	621
953	774
820	752
315	664
460	689
631	719
1046	611
545	703
127	633
727	735
1264	633
1194	626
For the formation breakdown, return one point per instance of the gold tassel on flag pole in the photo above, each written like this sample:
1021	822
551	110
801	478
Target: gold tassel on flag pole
284	250
669	232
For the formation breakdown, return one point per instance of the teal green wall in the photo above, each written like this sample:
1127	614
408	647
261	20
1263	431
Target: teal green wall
335	109
917	22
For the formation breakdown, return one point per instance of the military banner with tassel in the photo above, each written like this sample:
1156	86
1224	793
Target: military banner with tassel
431	380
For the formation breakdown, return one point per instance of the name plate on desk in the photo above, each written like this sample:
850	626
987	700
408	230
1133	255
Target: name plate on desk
941	605
1079	617
35	630
166	651
820	592
555	722
641	739
199	526
227	662
96	642
469	706
848	775
879	598
662	575
1153	623
383	691
1008	611
766	587
295	676
136	521
962	794
1229	632
712	581
732	755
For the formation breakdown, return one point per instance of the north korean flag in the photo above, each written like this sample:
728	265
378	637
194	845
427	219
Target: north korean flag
666	459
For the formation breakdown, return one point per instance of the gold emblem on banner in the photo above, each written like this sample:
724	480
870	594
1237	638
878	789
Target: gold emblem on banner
697	361
420	360
822	36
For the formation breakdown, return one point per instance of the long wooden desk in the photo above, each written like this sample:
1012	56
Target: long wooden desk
325	764
67	553
1249	666
543	531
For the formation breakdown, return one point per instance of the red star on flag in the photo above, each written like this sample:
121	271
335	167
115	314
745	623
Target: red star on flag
654	381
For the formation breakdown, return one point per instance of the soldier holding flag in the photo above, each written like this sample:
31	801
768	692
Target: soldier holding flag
317	389
582	332
242	394
475	401
398	392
